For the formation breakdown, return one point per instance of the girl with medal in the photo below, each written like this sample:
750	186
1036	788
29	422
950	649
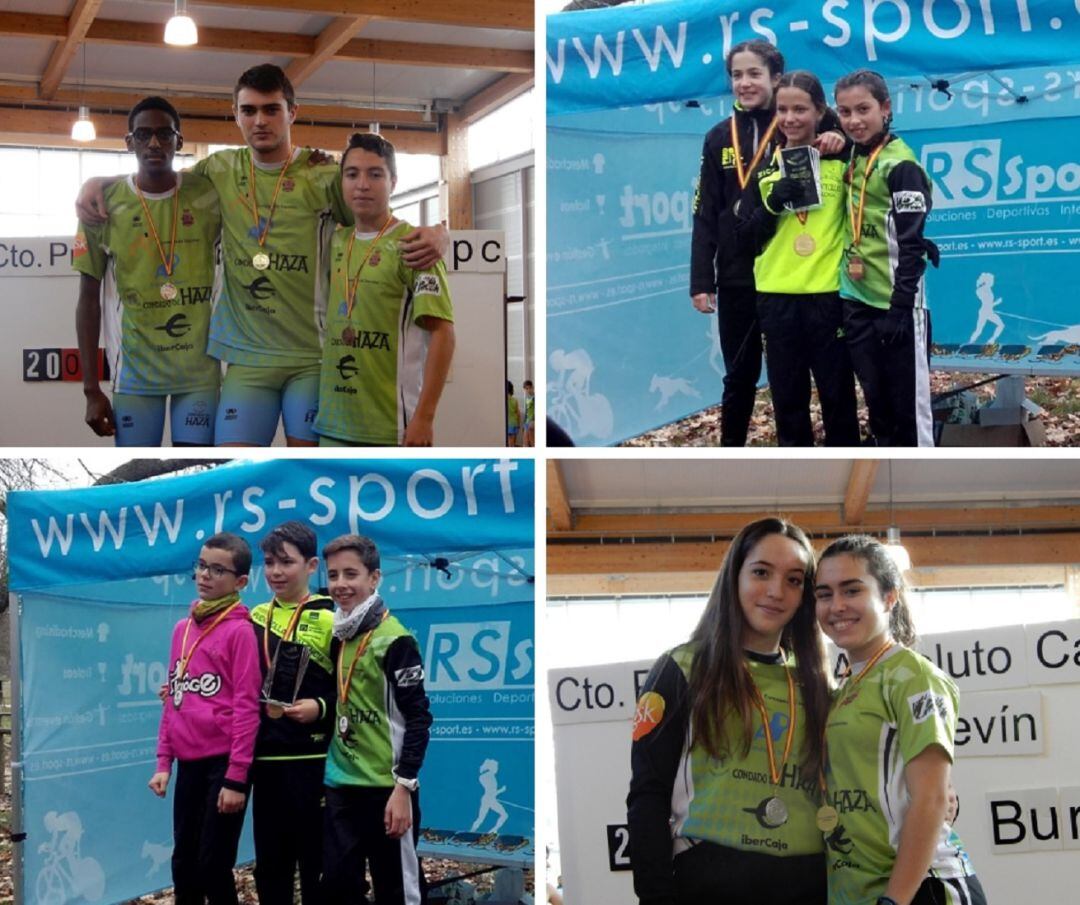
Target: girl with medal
886	321
889	744
797	273
721	274
209	720
726	740
383	719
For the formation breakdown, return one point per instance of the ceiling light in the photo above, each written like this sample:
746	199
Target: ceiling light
83	129
896	549
180	29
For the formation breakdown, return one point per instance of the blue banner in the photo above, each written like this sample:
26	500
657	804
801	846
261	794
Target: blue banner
624	56
93	656
627	352
155	527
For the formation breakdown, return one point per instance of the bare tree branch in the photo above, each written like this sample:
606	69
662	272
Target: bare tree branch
141	469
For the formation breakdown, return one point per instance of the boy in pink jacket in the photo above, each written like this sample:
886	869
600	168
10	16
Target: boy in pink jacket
208	724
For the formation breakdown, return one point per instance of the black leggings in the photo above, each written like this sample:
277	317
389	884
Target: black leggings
710	874
960	891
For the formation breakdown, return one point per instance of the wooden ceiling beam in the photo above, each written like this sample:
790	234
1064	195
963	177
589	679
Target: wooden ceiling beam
822	521
112	126
122	101
495	95
506	14
926	552
332	38
558	503
78	23
857	495
263	43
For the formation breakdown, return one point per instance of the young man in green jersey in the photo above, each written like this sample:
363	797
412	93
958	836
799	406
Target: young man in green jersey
381	736
390	330
149	274
279	206
290	751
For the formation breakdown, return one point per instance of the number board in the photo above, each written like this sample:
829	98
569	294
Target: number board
59	364
618	843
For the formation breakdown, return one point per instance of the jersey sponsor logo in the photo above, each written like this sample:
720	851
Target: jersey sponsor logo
79	248
838	841
195	295
287	185
847	800
428	284
409	676
176	326
648	714
199	416
261	288
260	309
366	339
925	704
231	414
869	231
187	218
727	156
207	685
909	202
288	263
373	261
347	368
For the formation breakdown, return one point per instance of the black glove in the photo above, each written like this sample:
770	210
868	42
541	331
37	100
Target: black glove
783	191
896	325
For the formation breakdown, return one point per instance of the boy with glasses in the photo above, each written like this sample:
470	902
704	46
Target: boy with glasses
209	720
149	273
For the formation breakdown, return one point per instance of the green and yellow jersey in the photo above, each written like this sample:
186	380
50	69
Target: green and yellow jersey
373	361
155	339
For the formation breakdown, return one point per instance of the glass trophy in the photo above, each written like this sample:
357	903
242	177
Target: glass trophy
282	682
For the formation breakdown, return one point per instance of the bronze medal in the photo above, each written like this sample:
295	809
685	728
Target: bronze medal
856	269
827	818
804	245
348	335
275	711
168	291
260	261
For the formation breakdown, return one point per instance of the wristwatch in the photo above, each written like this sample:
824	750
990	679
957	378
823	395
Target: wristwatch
413	784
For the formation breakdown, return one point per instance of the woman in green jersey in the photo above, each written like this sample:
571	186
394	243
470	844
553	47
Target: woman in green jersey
889	744
726	755
797	241
886	320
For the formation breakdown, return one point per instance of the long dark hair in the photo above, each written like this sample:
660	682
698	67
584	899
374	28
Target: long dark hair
763	50
886	573
873	82
720	684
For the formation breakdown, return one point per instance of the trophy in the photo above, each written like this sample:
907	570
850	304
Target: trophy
282	682
803	165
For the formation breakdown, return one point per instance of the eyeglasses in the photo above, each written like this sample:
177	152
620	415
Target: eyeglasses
164	134
214	570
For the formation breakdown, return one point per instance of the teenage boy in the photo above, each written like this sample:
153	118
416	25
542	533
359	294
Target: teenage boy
383	721
290	755
209	720
150	272
390	329
278	205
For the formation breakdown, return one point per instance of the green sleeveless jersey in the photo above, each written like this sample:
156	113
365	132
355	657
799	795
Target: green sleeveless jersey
273	317
902	705
722	801
373	362
779	268
155	346
891	248
382	723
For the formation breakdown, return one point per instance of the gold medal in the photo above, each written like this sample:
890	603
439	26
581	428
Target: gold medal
855	268
827	818
804	245
168	291
260	261
275	711
348	335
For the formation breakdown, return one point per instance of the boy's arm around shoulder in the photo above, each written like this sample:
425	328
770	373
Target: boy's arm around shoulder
246	674
405	672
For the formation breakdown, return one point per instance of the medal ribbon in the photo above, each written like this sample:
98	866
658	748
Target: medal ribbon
775	772
343	687
273	201
290	629
857	220
354	284
167	264
185	658
744	175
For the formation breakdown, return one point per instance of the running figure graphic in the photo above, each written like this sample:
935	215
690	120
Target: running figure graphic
984	290
490	800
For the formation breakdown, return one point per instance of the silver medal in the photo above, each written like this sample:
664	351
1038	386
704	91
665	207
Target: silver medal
168	291
343	725
776	812
178	697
